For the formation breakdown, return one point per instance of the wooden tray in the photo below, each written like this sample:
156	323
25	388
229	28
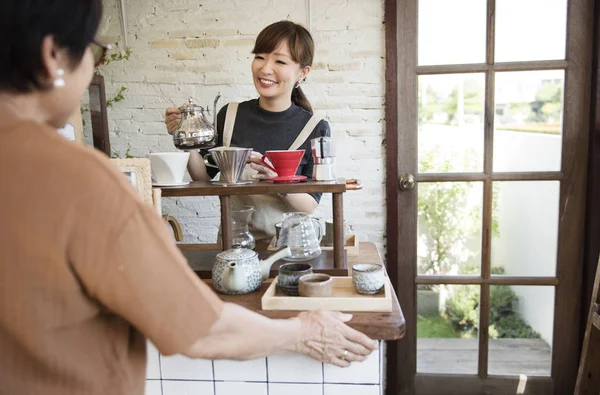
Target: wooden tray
344	298
351	246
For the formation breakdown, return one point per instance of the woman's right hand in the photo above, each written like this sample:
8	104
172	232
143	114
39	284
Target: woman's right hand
172	118
326	338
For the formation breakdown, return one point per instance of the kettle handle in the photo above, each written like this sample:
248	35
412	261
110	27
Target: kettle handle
207	163
320	230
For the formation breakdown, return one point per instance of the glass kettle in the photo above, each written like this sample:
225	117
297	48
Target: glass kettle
302	234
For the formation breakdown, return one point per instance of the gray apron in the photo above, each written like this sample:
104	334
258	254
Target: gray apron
268	209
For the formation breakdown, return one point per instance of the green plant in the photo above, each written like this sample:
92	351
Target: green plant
435	327
117	56
501	302
120	95
115	154
446	221
108	59
462	310
513	327
117	98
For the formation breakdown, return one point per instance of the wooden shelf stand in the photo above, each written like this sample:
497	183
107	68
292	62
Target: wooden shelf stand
206	188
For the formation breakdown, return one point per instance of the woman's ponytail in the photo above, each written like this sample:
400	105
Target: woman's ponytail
299	99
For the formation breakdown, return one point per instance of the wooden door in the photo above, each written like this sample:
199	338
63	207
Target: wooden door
487	125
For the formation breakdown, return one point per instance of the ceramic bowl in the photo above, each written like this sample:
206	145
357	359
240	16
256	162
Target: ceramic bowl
289	273
315	285
368	278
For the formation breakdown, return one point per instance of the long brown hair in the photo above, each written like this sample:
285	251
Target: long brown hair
302	48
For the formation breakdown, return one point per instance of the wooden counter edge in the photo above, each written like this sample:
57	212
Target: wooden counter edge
376	325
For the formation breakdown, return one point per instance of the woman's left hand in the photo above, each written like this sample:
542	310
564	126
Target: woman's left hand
255	163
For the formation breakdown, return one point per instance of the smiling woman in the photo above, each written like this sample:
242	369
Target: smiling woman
280	119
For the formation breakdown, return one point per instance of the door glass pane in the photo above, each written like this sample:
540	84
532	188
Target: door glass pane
521	323
451	32
528	122
451	111
449	228
530	30
525	228
447	329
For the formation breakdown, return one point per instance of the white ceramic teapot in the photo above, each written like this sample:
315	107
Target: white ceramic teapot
239	271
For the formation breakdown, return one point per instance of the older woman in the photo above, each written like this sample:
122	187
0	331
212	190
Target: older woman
87	271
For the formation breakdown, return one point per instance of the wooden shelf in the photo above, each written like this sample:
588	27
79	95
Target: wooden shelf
202	261
205	188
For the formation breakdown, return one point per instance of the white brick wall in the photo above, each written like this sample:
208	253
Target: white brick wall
198	48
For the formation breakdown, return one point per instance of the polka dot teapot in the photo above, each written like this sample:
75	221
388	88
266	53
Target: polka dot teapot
239	271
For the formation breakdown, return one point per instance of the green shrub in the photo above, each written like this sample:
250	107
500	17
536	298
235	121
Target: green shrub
462	310
513	327
501	300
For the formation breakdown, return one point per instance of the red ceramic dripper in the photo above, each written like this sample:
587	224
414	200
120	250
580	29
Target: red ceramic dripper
285	163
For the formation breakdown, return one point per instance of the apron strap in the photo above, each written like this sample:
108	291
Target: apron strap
305	133
229	123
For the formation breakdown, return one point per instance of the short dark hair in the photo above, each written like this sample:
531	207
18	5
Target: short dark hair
23	26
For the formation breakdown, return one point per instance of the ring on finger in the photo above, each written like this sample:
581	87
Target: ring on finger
343	357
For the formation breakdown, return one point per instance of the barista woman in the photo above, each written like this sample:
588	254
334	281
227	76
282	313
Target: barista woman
280	119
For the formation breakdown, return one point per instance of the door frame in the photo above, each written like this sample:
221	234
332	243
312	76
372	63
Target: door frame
401	123
592	239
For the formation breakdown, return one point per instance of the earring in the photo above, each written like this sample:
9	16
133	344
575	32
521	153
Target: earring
59	81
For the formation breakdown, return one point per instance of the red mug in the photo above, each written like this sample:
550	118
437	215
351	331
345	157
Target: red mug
285	163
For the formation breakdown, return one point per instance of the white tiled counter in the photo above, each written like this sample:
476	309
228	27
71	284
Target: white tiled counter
285	374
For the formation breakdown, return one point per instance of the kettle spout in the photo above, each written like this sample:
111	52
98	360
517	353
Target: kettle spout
265	266
215	111
234	278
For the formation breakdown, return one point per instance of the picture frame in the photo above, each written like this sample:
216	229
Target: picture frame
138	171
98	114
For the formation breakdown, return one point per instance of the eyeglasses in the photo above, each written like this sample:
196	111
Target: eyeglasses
99	51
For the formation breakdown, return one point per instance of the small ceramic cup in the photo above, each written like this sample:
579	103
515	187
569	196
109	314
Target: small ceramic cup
368	278
315	285
289	273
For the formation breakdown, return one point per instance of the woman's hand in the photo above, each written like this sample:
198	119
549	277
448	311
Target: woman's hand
327	338
172	118
255	163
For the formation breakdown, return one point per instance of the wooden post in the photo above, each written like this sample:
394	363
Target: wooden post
226	230
338	231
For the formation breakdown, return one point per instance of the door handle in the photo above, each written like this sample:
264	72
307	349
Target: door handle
406	181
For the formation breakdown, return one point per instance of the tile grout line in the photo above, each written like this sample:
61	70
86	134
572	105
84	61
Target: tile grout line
212	363
162	392
322	378
266	373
